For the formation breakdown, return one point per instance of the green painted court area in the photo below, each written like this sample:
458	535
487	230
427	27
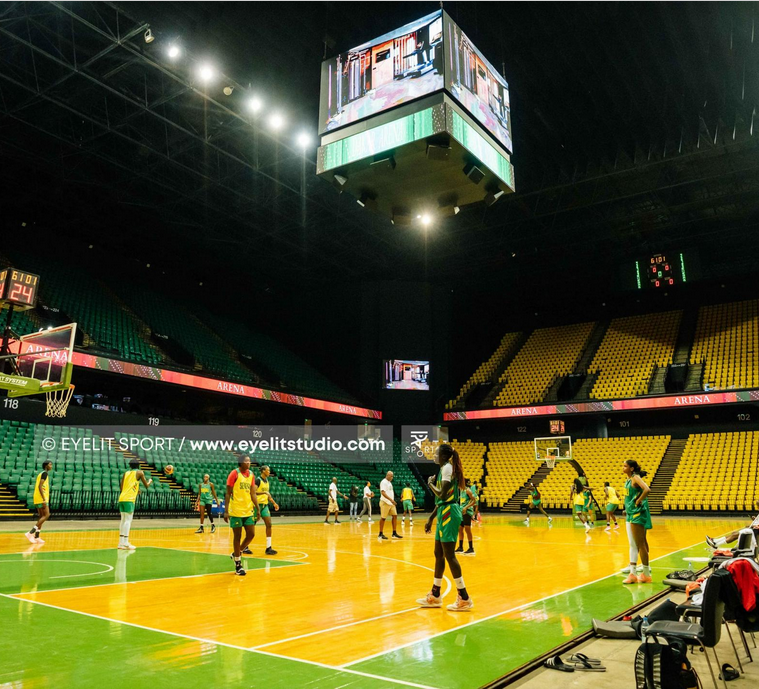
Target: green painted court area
78	568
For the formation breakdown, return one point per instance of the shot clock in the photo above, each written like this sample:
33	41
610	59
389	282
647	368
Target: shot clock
18	288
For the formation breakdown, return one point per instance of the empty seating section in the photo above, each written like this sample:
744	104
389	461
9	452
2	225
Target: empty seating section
510	466
630	351
87	302
21	322
170	318
548	353
291	370
85	478
717	471
601	459
486	369
727	342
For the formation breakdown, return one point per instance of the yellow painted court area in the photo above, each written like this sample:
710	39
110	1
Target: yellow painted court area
347	596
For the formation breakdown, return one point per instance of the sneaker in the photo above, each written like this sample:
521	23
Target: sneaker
247	551
123	547
430	601
240	571
382	537
709	541
213	528
461	604
38	541
270	551
526	521
470	551
371	521
411	522
608	528
395	535
336	522
587	526
326	523
631	579
30	537
644	579
200	530
403	520
460	549
550	519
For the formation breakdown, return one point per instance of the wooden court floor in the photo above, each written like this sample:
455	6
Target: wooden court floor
334	608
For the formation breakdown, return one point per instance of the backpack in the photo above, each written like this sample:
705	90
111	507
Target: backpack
664	666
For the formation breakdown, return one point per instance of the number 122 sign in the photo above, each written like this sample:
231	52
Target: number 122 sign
18	288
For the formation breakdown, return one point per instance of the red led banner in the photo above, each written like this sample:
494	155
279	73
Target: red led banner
667	402
189	380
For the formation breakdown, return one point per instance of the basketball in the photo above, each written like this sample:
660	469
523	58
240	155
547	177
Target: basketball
168	469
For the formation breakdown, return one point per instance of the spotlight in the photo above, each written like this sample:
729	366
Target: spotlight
491	198
149	37
228	90
426	219
174	52
254	104
304	140
206	73
276	121
367	200
340	179
474	173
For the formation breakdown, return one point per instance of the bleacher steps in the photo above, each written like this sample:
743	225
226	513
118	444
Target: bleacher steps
11	507
591	346
656	385
497	385
151	471
694	378
685	336
515	502
587	385
663	478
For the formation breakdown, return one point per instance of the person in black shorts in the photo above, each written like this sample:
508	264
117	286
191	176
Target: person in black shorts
468	502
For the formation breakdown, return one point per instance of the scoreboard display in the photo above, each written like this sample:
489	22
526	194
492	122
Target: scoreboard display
18	288
660	271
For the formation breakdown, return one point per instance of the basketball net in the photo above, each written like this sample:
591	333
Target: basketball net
550	462
58	401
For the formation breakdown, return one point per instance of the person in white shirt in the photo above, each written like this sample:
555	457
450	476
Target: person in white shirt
368	495
332	498
387	506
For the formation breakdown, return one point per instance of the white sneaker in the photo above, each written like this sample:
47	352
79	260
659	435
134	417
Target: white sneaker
129	546
526	521
30	537
371	521
550	519
587	526
38	541
608	528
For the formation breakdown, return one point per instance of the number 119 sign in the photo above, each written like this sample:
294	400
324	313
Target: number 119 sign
18	288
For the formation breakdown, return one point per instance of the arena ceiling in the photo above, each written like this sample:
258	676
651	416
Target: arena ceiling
634	130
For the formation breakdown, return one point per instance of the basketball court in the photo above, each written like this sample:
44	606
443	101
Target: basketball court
333	608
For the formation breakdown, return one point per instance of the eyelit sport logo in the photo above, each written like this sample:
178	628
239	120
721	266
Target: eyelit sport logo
417	438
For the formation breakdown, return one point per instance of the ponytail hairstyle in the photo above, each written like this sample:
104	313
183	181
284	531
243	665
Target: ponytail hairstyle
606	485
636	467
446	452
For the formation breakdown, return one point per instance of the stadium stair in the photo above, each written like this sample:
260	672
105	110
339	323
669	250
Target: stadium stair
489	399
150	470
695	377
11	507
664	475
515	502
656	386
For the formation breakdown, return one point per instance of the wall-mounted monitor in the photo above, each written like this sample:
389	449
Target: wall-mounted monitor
405	374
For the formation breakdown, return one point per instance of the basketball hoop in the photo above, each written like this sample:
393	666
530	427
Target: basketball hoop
551	462
58	401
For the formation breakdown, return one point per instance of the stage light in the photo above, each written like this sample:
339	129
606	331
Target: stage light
304	140
206	73
174	52
254	104
276	121
149	37
426	220
341	179
228	90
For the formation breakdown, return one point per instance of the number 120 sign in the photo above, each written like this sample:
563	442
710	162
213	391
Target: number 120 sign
19	288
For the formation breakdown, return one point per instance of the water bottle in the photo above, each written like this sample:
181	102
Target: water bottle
643	628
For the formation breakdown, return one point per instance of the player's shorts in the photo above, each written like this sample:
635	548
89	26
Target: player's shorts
611	507
448	521
206	503
126	507
640	515
579	509
263	511
332	507
466	519
239	522
387	510
408	506
536	503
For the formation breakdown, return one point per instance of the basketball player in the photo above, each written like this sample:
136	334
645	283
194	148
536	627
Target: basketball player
130	489
240	502
612	502
408	499
587	506
447	488
577	497
467	501
205	501
332	494
732	536
638	519
41	502
537	503
368	495
264	498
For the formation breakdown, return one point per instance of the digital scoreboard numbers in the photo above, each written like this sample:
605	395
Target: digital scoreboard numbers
660	271
18	288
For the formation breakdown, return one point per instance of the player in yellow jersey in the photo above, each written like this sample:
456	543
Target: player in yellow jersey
130	489
264	500
408	500
205	503
41	502
612	502
239	505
